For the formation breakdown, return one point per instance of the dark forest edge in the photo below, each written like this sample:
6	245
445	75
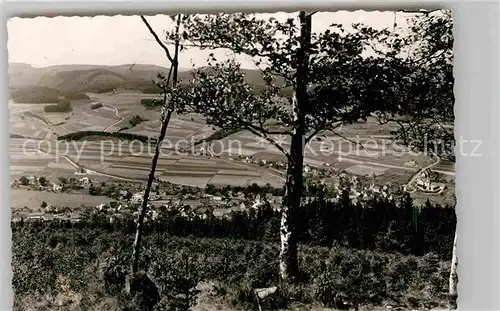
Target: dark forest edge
381	225
62	106
42	95
76	136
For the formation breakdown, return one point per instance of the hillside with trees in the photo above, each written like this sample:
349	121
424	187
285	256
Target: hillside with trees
29	84
42	95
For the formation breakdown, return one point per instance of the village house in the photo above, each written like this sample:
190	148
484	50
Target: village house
219	212
425	183
51	209
217	198
123	193
57	187
428	186
84	181
114	204
102	207
139	196
32	180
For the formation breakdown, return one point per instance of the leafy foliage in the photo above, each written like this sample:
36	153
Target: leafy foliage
344	86
151	103
423	99
178	277
135	120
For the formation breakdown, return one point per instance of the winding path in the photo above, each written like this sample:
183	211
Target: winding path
415	176
89	171
117	114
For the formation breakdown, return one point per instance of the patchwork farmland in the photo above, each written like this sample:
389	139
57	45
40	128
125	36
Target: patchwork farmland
358	149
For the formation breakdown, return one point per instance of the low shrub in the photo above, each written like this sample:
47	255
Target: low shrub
96	106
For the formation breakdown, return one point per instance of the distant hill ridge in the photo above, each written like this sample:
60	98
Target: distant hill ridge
30	84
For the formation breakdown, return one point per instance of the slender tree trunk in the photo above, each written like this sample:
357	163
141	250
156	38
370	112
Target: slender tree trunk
291	203
453	272
140	222
294	180
168	114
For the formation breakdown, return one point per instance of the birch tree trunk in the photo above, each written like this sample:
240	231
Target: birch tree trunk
170	107
294	179
291	202
453	272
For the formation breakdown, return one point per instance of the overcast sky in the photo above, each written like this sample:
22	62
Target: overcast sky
117	40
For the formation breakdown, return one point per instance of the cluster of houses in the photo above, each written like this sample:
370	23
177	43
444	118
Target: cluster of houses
278	165
322	172
138	197
359	191
425	182
326	170
218	205
238	202
37	181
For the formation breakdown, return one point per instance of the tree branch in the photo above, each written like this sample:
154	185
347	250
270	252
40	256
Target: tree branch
429	57
349	140
238	50
312	13
322	127
257	132
164	47
277	132
419	11
314	133
274	73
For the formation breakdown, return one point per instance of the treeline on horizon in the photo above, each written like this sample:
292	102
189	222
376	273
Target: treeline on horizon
380	225
119	135
62	106
42	95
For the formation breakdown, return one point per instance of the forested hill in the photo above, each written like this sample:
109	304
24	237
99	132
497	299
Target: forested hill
28	84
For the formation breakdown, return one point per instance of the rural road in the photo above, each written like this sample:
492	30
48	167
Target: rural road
88	171
117	114
39	118
412	180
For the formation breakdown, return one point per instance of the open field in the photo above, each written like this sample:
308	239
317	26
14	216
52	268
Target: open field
32	199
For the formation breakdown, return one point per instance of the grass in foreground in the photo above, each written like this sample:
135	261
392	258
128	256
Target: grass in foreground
58	268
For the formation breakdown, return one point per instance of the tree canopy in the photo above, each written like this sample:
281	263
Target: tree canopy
344	85
423	99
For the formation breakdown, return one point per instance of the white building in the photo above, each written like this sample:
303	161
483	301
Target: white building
102	207
139	197
85	181
57	187
32	180
410	163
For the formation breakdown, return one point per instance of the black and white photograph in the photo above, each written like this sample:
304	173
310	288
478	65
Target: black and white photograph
299	160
